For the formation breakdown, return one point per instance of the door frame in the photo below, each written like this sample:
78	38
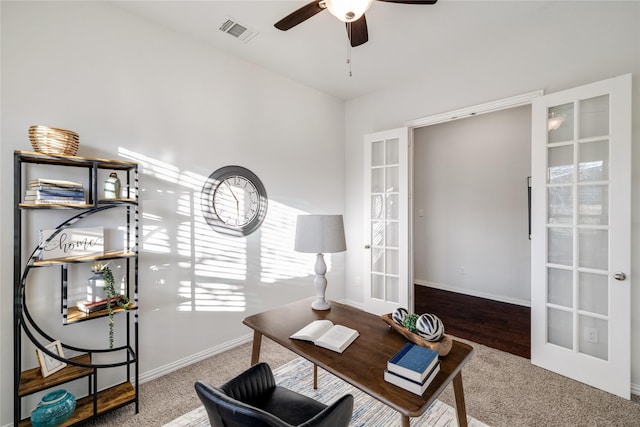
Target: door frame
463	113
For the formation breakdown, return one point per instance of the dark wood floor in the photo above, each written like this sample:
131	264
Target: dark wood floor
499	325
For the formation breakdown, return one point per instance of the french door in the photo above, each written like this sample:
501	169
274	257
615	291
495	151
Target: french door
388	282
581	190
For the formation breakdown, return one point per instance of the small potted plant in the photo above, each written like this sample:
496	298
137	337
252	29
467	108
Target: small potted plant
112	297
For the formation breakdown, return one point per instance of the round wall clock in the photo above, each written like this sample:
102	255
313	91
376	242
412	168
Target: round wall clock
234	201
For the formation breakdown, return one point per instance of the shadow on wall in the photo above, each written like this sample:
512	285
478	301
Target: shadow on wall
213	271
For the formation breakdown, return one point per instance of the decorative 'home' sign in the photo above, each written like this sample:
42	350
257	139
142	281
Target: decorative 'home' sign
73	242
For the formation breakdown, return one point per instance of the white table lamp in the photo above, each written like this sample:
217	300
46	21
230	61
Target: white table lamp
320	234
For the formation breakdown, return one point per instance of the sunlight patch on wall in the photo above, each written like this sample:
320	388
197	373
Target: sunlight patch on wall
279	260
215	270
211	297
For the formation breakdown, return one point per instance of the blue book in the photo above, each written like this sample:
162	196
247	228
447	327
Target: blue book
413	362
55	193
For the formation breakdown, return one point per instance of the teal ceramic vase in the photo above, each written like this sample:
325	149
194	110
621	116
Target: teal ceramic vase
54	408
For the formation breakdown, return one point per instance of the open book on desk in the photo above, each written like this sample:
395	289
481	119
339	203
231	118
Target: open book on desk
324	333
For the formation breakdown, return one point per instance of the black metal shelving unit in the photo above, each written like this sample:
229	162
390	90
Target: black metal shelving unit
82	366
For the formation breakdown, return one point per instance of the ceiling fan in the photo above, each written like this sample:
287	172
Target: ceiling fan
349	11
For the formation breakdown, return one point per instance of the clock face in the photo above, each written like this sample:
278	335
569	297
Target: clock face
234	201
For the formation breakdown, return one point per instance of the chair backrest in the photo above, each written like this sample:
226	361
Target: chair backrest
225	411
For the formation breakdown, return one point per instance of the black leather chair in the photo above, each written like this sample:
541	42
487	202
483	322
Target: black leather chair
252	399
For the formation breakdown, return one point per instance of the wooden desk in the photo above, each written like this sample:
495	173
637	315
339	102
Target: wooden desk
363	363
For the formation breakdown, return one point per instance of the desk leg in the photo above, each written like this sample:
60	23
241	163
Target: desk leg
406	421
255	350
458	392
315	376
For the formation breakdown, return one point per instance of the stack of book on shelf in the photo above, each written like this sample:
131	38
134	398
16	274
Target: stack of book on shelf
53	191
413	368
91	307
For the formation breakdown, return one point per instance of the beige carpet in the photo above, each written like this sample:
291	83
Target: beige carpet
297	375
500	390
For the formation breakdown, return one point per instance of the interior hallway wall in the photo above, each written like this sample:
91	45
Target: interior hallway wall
470	205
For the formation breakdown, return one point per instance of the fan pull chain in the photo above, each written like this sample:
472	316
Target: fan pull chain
349	47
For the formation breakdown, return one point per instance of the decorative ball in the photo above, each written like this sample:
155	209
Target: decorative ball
430	327
399	314
409	322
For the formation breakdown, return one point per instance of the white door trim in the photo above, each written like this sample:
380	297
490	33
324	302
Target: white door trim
462	113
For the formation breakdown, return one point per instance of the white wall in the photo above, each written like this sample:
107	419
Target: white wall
574	43
470	205
134	90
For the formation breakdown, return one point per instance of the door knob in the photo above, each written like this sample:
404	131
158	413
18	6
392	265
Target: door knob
367	246
619	275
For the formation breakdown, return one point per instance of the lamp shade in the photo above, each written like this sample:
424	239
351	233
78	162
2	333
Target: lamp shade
320	234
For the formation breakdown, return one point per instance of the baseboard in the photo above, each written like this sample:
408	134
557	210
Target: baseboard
190	360
474	293
352	303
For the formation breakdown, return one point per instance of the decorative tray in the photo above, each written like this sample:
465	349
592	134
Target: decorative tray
443	347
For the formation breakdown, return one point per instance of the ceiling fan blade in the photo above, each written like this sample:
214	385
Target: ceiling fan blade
357	31
412	1
300	15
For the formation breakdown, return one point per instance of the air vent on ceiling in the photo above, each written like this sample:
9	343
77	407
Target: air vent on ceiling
239	31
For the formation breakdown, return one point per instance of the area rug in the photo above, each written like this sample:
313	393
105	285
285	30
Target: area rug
298	375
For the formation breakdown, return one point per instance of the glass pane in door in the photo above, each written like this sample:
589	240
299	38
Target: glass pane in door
377	286
560	249
561	205
594	117
560	167
594	293
594	339
393	289
594	161
377	153
593	204
560	328
377	180
594	249
560	288
560	123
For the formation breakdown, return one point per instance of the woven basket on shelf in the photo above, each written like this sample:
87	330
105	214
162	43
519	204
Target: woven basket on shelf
48	140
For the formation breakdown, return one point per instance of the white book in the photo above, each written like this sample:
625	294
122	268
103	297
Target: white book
410	385
324	333
54	182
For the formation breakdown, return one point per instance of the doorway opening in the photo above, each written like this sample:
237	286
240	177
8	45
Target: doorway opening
470	225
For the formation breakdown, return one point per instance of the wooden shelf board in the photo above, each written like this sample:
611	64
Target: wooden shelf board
75	315
32	381
34	157
109	399
86	258
122	200
62	205
56	205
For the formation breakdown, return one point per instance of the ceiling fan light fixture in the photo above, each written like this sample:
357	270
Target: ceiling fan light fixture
348	10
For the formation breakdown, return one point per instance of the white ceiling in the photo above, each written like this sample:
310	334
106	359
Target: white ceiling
406	42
